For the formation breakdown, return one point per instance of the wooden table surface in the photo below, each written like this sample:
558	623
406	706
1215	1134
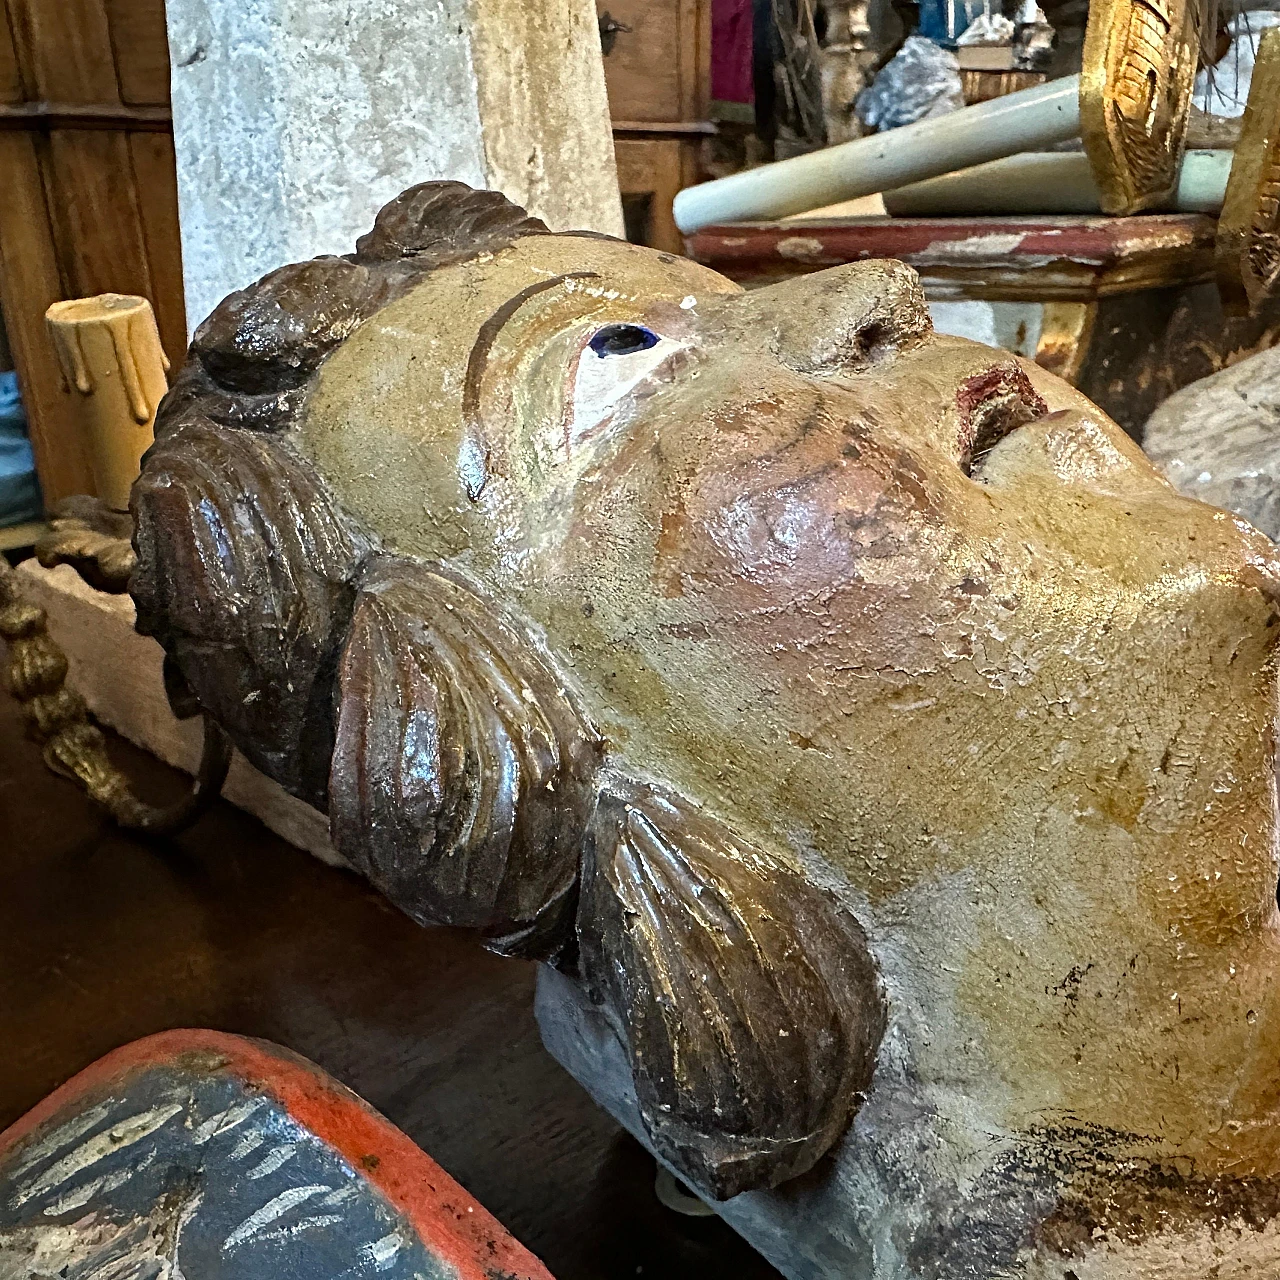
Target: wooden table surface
105	938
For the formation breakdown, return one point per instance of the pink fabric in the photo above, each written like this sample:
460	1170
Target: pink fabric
731	78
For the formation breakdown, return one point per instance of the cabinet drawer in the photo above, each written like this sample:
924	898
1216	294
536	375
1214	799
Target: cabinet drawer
650	172
654	69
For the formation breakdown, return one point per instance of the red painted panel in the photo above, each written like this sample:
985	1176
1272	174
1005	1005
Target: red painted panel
451	1223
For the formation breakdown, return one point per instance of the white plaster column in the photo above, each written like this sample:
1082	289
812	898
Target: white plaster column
295	120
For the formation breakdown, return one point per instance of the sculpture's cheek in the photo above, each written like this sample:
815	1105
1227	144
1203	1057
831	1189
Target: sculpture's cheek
785	528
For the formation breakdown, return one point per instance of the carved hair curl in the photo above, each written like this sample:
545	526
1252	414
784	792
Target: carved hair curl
458	769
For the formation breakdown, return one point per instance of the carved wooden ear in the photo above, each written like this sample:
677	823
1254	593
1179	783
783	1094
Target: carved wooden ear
462	775
747	999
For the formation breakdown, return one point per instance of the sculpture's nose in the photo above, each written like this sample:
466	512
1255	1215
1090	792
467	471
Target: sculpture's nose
844	319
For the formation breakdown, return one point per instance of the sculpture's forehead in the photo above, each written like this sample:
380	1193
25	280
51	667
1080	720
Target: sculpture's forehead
388	408
451	304
411	358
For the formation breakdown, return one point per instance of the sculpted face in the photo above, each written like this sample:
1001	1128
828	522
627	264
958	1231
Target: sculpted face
914	617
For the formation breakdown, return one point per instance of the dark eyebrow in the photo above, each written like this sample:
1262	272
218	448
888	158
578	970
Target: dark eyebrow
479	357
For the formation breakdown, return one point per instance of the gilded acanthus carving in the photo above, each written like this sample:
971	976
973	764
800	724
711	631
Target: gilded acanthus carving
1136	80
1248	248
93	539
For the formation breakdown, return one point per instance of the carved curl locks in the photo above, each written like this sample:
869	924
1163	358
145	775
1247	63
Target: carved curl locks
244	573
462	772
746	998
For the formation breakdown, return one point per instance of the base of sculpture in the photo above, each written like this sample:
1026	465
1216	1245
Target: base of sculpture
869	1210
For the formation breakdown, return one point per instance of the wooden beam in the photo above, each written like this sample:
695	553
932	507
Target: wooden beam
1068	258
664	126
84	115
29	281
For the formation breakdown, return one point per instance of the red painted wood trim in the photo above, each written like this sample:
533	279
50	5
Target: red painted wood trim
1096	241
449	1220
1006	257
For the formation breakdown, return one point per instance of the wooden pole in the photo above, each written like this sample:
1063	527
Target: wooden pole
1050	182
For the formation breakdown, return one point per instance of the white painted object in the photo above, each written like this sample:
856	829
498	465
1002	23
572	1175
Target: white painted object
296	120
920	82
601	383
1030	120
119	674
1049	182
987	28
1219	440
1012	326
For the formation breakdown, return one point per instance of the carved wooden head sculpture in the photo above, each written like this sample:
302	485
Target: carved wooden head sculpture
850	710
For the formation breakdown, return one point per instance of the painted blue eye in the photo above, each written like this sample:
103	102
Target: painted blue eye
623	340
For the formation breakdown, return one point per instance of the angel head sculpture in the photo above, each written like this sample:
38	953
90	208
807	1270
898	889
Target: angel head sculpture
877	742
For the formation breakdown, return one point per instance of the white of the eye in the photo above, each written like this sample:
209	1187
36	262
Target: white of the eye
602	381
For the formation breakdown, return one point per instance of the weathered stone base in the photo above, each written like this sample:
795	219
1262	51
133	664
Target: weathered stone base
118	673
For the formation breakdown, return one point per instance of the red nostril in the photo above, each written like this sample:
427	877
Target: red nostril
992	405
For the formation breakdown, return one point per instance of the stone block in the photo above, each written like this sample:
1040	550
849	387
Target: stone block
296	120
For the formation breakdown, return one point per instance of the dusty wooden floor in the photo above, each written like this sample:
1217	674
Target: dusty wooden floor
104	938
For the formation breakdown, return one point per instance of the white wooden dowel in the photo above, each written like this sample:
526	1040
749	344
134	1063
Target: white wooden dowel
1029	120
1049	182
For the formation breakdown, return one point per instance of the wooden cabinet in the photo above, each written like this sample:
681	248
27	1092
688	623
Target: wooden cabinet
657	67
658	60
650	172
90	193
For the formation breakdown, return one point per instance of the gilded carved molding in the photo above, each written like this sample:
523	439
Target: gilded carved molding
1135	96
1248	245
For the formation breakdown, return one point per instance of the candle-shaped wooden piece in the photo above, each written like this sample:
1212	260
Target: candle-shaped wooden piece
110	353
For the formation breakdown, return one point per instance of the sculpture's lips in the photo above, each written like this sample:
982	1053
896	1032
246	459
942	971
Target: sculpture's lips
991	405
